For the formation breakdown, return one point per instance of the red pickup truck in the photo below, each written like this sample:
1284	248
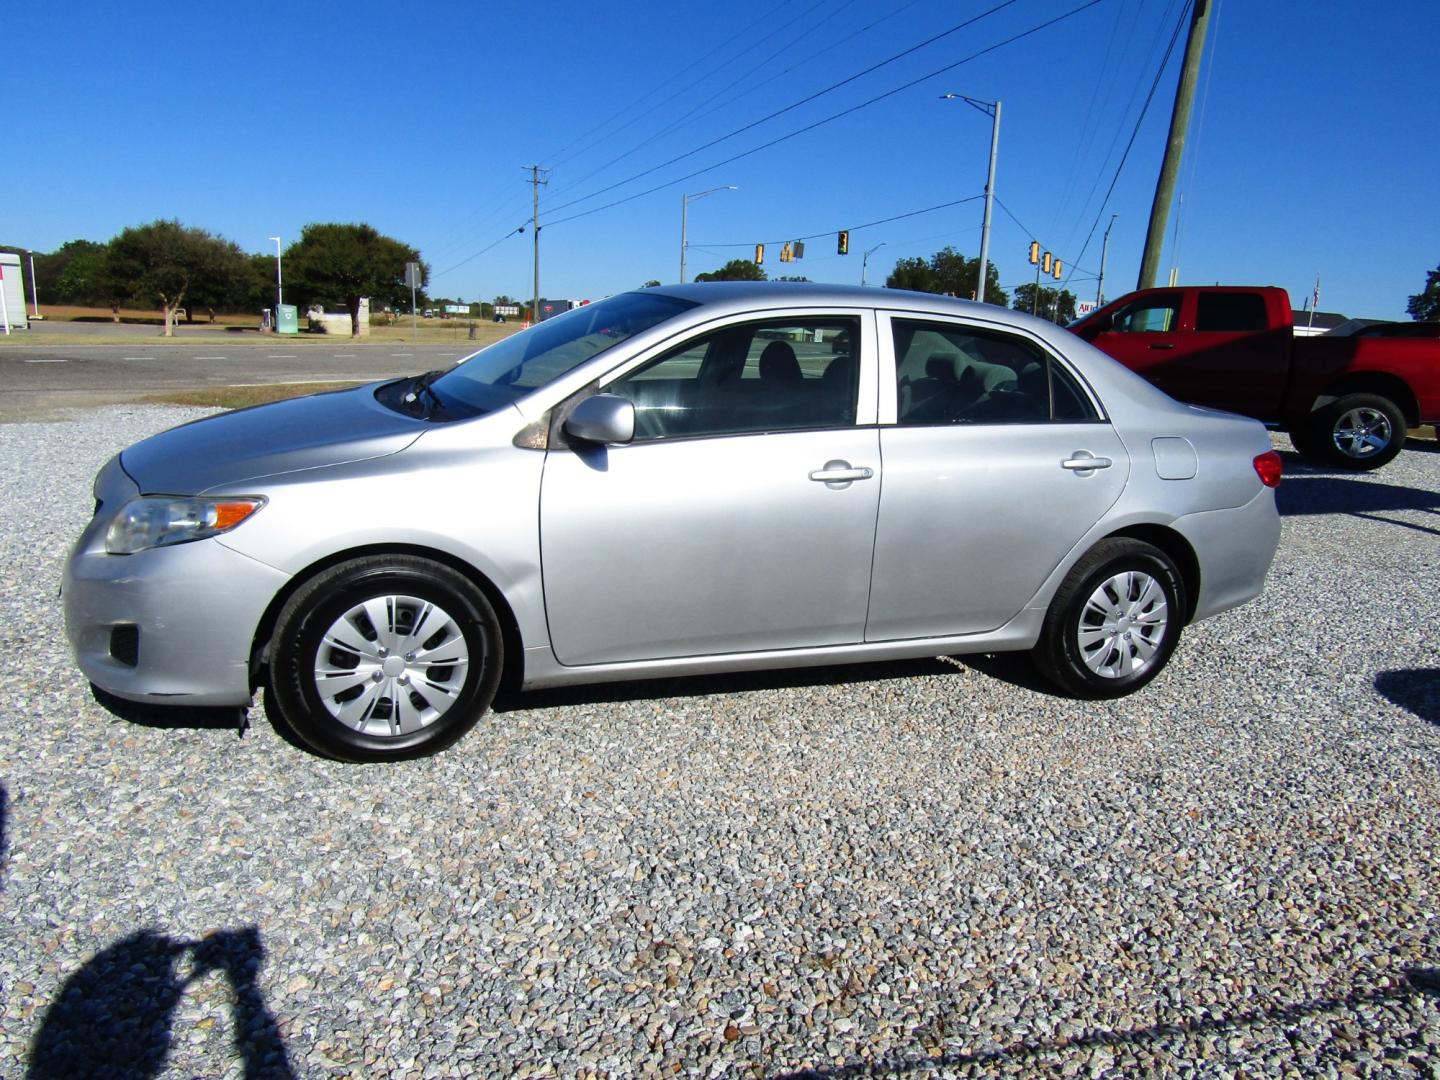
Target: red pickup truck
1346	401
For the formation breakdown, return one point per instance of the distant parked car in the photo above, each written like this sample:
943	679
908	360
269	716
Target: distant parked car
669	482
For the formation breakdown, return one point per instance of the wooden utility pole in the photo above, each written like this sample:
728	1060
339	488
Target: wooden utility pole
1175	146
535	181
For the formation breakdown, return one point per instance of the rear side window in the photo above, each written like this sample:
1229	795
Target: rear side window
1230	313
953	374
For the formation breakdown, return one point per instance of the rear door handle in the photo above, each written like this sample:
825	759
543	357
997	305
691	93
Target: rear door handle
1161	345
840	474
1084	463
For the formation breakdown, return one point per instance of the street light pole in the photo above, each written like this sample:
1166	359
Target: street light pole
34	295
1104	250
279	282
865	262
684	220
992	110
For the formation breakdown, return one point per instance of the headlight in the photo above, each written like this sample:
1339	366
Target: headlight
160	520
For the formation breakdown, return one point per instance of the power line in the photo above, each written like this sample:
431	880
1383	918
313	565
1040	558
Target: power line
795	105
853	228
829	119
1010	214
1154	85
564	154
696	82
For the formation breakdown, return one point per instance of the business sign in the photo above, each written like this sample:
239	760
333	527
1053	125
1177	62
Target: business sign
507	309
1083	308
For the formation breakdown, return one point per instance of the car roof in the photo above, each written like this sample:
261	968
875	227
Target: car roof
761	295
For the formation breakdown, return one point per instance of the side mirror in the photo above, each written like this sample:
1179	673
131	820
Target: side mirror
604	418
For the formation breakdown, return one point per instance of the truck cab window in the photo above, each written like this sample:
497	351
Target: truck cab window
1149	315
1230	312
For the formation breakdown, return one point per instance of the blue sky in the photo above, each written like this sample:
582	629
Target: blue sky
1311	149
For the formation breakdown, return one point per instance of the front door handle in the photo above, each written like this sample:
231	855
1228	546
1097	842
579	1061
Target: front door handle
840	474
1161	345
1084	463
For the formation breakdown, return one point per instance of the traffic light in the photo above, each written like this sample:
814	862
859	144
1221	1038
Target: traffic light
842	245
798	252
786	253
1046	261
759	254
1034	252
1057	269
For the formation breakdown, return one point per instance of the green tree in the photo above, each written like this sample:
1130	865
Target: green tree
75	274
735	270
340	264
792	277
257	288
1424	306
914	274
948	272
1057	305
653	283
168	262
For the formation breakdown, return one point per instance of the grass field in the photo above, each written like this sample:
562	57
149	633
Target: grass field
240	397
434	331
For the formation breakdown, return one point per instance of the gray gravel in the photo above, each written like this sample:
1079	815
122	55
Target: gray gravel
919	869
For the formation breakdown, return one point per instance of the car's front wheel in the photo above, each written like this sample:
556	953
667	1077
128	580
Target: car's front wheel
1114	621
383	658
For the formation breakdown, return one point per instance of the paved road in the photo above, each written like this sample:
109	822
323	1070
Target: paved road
44	377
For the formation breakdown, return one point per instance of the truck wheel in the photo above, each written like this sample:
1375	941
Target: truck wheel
1357	431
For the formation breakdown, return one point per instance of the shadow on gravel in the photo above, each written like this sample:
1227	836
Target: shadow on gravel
1418	982
508	699
1415	690
4	833
1304	494
114	1016
171	717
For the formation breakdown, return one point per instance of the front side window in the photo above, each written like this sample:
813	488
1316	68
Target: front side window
1151	315
786	375
953	374
512	368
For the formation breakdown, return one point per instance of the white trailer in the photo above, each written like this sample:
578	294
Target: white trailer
12	294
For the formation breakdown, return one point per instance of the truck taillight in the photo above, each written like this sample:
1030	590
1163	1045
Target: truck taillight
1268	467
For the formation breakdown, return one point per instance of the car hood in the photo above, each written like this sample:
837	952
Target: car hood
264	440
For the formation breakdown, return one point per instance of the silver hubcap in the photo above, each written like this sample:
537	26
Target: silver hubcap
1362	433
391	665
1122	625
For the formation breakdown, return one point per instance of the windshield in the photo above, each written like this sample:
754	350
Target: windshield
510	369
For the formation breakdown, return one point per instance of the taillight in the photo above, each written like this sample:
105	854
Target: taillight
1268	467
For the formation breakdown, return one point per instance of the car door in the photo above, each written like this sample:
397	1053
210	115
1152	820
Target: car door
992	474
742	516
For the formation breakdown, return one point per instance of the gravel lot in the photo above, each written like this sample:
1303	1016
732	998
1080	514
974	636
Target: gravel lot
907	870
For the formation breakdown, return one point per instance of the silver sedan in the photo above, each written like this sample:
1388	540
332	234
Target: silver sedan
673	481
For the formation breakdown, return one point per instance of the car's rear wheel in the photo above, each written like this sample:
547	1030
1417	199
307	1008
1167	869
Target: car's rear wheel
383	658
1114	620
1357	431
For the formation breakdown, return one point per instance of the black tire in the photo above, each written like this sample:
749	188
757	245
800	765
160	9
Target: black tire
1357	431
1102	665
404	702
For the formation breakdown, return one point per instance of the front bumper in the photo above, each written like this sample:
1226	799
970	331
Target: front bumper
194	609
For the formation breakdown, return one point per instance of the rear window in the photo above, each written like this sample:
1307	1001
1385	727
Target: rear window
1230	312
